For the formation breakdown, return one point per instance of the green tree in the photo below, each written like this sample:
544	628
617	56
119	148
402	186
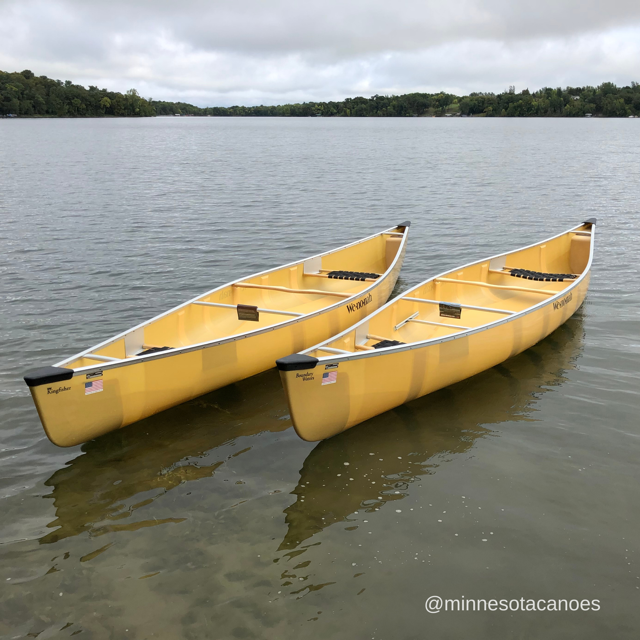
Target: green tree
25	94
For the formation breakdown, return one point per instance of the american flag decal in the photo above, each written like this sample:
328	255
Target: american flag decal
94	386
330	377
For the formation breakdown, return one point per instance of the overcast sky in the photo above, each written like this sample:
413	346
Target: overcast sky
224	52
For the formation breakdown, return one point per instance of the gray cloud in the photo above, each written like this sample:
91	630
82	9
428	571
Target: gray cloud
225	52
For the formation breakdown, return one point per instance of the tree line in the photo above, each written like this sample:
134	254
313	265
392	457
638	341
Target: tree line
24	94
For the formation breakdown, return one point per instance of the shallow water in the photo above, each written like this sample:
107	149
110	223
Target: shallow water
213	519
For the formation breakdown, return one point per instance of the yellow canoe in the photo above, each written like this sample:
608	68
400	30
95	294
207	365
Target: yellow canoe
442	331
404	452
227	334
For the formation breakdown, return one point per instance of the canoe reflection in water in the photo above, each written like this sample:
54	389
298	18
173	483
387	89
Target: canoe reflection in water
189	442
363	469
100	491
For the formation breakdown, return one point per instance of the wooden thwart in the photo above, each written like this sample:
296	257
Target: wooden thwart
544	292
337	294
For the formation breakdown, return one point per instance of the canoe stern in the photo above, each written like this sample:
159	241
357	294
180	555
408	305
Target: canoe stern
74	409
318	396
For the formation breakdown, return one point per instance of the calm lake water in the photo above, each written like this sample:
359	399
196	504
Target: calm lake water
213	520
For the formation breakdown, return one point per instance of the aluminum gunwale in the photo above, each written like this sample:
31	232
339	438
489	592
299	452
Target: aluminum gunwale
461	334
211	343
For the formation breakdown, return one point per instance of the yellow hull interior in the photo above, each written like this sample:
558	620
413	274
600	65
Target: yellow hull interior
488	285
296	290
442	331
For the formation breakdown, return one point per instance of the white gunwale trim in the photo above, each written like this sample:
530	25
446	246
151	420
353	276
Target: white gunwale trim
233	306
418	345
332	350
458	304
214	343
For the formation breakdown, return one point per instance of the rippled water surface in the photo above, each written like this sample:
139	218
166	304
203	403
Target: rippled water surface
212	519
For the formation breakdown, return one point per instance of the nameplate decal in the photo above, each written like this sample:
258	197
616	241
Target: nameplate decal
248	312
450	311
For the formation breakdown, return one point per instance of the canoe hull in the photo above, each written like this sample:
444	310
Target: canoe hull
71	414
374	383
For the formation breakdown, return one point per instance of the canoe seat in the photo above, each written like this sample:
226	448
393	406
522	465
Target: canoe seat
352	275
543	277
387	343
146	352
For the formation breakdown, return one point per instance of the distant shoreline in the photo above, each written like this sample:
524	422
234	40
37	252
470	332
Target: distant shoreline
25	95
186	115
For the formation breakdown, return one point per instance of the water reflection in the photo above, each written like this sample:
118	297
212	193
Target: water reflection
362	469
377	462
128	469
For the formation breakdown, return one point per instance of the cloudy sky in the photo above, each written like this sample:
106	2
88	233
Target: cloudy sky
224	52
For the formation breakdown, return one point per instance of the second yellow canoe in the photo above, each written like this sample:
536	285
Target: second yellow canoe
440	332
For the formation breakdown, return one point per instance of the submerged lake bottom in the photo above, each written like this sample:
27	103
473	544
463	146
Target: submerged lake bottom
213	519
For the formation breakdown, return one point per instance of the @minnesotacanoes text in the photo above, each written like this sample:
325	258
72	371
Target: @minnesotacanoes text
435	604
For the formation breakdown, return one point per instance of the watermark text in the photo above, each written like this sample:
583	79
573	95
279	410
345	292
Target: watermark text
436	604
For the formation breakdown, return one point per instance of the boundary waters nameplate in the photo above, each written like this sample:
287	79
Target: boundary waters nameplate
450	310
248	312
